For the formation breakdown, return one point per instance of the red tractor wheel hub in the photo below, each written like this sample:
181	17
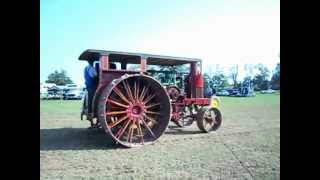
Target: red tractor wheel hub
136	111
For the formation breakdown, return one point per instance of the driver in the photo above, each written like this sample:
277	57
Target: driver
91	82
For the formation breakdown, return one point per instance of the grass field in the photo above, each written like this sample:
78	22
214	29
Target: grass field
247	146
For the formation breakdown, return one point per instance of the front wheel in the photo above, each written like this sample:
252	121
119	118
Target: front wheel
209	119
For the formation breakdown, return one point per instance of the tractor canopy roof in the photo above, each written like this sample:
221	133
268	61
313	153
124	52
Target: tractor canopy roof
134	58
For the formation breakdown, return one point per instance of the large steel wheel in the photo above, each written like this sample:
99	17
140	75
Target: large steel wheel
209	119
135	110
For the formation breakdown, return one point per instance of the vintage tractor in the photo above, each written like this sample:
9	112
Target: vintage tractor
134	108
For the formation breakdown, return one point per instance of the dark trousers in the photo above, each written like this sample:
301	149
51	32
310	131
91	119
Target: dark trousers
91	92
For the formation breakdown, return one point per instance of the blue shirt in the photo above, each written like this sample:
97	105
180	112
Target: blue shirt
90	76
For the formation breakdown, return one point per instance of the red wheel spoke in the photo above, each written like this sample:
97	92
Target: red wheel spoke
138	91
129	137
117	103
115	113
140	132
149	98
119	93
143	93
152	105
132	133
152	112
148	128
135	91
112	119
151	119
129	92
121	131
118	121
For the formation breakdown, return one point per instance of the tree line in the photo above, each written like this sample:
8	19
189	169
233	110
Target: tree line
217	80
260	80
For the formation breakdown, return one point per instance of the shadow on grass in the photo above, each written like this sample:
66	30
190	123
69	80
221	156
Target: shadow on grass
87	139
75	139
174	130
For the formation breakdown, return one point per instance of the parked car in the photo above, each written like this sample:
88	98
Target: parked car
223	93
74	94
73	91
269	91
245	92
233	92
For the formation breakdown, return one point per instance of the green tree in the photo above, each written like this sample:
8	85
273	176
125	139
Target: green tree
59	78
219	81
207	81
249	70
234	74
275	80
177	68
247	81
261	79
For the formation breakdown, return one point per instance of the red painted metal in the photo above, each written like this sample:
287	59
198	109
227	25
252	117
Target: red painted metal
122	130
147	127
104	63
197	101
136	110
199	82
143	65
117	103
176	116
118	121
192	89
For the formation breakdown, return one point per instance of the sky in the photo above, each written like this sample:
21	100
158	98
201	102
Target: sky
224	32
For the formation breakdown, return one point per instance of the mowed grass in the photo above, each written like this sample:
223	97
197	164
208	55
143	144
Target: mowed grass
247	146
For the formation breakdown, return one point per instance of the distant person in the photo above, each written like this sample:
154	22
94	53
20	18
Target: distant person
91	82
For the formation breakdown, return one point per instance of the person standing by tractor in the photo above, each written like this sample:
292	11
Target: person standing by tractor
91	82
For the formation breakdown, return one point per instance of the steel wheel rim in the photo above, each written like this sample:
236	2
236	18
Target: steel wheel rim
210	119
